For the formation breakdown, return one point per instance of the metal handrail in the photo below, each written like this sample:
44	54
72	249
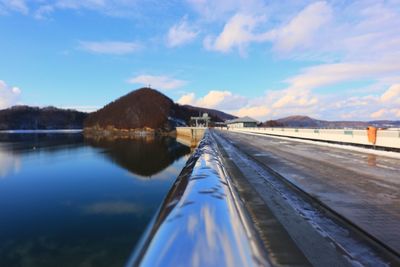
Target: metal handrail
201	222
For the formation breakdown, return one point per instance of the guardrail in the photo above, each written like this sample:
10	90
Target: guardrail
383	138
201	222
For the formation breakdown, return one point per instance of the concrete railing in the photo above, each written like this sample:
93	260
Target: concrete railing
384	138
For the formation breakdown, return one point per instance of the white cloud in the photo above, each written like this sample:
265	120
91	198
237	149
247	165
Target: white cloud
281	103
161	82
187	99
224	100
343	42
386	113
181	33
300	31
209	10
392	94
356	101
90	4
257	107
292	98
329	74
378	114
237	33
212	10
257	112
131	9
118	8
300	89
243	29
43	11
318	31
9	95
213	99
15	5
110	47
362	39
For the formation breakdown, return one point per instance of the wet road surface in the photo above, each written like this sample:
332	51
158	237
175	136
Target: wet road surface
364	188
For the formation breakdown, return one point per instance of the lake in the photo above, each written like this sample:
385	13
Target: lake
67	201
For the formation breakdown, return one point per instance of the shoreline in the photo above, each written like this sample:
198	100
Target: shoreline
41	131
111	132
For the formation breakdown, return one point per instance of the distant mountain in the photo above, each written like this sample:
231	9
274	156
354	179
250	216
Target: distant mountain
307	122
300	121
145	108
35	118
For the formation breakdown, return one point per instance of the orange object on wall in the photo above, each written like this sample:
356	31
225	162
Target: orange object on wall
372	134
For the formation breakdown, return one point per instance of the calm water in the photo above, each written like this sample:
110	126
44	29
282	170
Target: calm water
66	201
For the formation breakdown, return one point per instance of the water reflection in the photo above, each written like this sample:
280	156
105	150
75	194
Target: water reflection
8	164
144	156
188	141
29	143
113	208
12	146
65	201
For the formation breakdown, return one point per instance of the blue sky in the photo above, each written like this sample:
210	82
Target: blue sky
266	59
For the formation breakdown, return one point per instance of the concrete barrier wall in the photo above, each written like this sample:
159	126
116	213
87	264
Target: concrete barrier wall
195	133
385	138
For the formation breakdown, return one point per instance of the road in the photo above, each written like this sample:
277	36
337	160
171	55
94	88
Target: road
363	188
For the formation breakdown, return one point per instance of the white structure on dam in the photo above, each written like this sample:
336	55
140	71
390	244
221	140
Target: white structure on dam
242	122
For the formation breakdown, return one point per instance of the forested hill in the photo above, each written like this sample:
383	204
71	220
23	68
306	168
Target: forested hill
146	108
139	109
35	118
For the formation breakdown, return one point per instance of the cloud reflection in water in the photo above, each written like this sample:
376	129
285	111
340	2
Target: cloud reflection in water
9	163
113	208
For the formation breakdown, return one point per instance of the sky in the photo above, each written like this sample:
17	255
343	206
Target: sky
334	60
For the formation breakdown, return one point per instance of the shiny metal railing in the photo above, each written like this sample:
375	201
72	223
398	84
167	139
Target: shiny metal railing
202	222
